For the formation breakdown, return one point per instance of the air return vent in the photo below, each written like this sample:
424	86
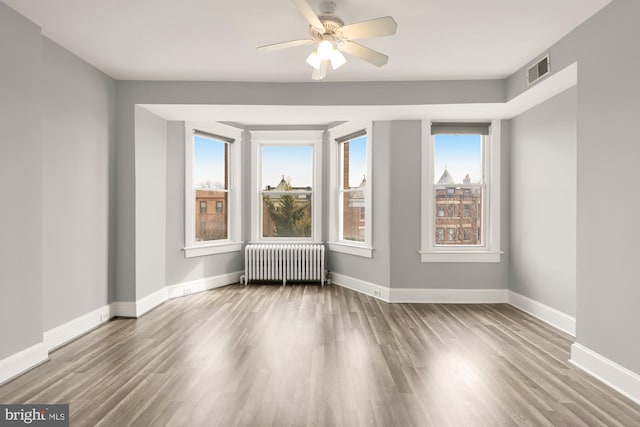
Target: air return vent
538	70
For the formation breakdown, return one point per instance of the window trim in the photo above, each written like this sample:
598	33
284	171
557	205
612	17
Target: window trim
233	243
260	138
335	244
489	252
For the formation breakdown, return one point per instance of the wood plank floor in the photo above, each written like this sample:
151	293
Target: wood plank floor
308	355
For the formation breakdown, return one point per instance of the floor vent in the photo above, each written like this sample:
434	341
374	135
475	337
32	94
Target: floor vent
538	70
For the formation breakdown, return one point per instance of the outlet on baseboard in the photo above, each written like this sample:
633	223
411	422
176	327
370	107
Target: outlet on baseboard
186	291
104	317
377	293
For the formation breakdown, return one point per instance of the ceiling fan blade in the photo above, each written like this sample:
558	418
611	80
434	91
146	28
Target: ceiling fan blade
369	55
379	27
284	45
309	15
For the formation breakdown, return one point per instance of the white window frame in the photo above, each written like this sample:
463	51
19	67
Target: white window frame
336	243
261	138
233	242
489	251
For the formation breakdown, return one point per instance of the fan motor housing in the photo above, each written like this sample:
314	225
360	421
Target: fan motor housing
331	23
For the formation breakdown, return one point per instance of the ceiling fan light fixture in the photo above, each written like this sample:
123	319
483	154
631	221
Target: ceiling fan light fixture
337	59
314	60
325	50
334	38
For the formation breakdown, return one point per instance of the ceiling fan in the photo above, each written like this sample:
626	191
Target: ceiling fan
333	38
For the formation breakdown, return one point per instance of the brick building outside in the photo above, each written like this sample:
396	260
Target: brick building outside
458	212
211	215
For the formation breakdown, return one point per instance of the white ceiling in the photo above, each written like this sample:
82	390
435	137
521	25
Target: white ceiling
213	40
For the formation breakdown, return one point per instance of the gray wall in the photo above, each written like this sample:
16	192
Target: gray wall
406	269
57	146
151	201
543	203
606	49
79	138
377	269
125	242
21	253
178	268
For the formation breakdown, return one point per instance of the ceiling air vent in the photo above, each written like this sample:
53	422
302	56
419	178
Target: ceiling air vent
538	70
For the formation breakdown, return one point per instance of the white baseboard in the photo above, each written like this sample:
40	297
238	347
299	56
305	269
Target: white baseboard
408	295
72	329
123	309
615	376
449	296
151	301
367	288
18	363
554	317
204	284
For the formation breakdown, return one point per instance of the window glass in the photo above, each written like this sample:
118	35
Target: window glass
458	182
210	180
287	179
353	175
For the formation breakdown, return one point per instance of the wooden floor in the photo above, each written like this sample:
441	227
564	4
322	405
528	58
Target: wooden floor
305	355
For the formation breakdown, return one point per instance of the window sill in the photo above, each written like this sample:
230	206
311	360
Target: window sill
460	256
212	249
345	248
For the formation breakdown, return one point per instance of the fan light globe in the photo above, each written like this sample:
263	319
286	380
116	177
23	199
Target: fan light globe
313	60
337	59
325	50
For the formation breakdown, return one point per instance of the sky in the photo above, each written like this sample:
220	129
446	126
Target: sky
209	160
292	161
460	154
357	160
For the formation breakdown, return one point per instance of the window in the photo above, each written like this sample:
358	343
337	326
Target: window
353	185
210	180
461	170
286	201
286	174
351	189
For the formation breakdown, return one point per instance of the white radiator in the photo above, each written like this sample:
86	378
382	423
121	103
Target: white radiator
285	262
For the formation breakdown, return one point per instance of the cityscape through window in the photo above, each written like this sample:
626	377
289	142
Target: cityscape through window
352	192
458	189
287	179
211	188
